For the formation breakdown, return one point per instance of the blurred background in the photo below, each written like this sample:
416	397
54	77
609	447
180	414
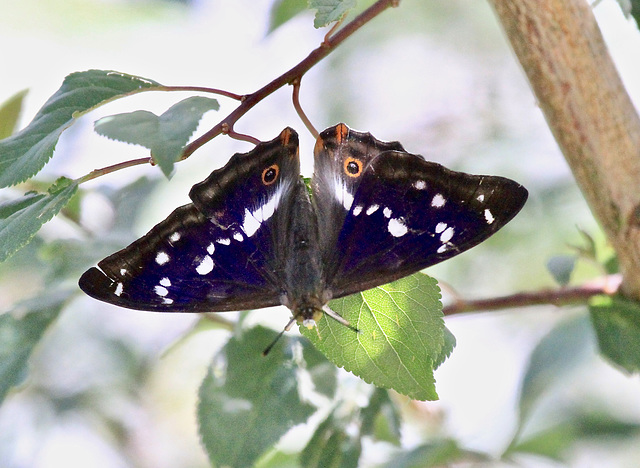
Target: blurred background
110	387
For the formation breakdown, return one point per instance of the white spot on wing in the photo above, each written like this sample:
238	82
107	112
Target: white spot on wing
237	236
166	300
396	227
488	216
446	235
175	237
161	291
440	227
165	282
250	224
438	201
119	289
443	248
211	248
344	197
123	271
254	219
420	184
357	210
372	209
162	258
223	241
205	266
387	212
480	198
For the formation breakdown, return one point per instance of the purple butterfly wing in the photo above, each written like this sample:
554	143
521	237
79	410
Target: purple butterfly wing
216	254
398	214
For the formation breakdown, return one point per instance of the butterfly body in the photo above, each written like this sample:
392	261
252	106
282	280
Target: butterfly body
253	237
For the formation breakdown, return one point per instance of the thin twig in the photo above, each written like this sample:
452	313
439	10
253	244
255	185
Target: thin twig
559	297
223	322
247	102
201	89
334	28
296	104
116	167
328	46
241	136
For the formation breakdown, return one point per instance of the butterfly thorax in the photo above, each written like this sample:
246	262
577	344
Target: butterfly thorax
304	284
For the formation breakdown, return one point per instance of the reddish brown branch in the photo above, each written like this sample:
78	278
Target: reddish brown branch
296	104
328	46
116	167
201	89
558	297
249	101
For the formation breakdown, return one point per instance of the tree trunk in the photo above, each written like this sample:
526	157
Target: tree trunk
592	118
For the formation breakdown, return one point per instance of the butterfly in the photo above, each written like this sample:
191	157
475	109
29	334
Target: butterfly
256	236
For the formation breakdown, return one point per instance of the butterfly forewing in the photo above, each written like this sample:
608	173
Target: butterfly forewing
408	214
216	254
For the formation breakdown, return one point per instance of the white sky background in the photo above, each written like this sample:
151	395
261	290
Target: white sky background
222	44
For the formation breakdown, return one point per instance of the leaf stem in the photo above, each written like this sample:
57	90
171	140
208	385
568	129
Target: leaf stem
289	77
561	296
248	101
116	167
239	136
201	89
296	104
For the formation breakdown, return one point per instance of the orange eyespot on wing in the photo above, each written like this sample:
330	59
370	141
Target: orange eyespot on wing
270	174
352	167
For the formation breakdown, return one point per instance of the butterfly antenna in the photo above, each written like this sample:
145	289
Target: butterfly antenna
268	349
339	318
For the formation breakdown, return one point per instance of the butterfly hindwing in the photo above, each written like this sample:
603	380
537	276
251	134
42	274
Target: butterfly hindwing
406	214
216	254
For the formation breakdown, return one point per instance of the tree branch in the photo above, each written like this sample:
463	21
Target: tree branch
558	297
561	50
296	73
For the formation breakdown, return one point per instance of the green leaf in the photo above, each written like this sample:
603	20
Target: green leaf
447	348
558	353
561	268
27	215
10	113
331	446
401	335
164	135
438	453
9	207
588	249
381	418
329	11
278	459
25	153
551	443
128	202
555	442
247	402
617	324
322	372
283	10
20	331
